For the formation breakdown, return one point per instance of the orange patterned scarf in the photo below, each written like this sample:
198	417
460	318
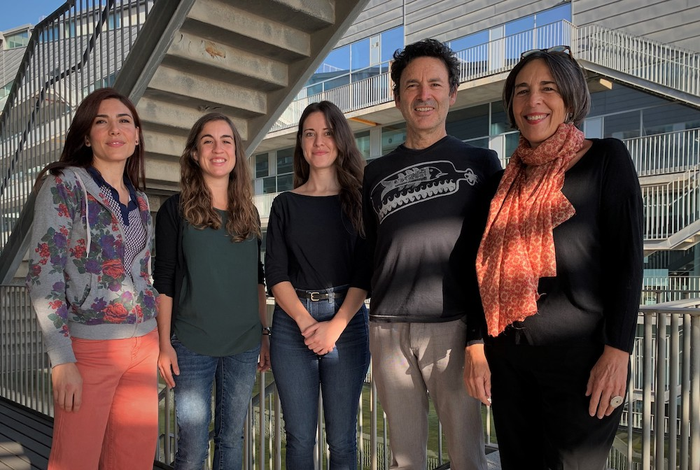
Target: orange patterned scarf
517	248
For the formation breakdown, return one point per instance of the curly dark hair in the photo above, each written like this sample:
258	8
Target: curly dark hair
349	164
425	48
569	77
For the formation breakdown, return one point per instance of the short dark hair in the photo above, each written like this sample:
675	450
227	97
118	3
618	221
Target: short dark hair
425	48
569	77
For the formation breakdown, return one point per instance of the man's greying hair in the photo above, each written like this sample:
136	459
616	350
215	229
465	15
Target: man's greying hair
425	48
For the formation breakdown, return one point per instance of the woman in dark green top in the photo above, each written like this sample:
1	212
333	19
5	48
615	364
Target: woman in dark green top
211	318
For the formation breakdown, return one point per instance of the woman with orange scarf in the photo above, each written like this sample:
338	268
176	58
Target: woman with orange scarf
560	274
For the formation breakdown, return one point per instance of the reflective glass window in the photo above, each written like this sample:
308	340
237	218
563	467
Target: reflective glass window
391	40
261	166
362	140
359	54
285	159
392	137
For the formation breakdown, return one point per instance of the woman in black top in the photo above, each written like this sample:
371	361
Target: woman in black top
315	271
560	275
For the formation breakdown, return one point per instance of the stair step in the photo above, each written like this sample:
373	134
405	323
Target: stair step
209	93
224	23
221	61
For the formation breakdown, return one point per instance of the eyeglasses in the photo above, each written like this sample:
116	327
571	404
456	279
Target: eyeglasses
565	49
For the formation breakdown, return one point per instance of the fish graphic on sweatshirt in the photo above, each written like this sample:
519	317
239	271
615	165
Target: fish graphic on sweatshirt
416	184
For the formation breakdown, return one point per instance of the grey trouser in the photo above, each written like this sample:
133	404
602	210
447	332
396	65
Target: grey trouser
410	361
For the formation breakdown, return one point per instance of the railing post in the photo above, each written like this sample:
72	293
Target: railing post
695	394
659	391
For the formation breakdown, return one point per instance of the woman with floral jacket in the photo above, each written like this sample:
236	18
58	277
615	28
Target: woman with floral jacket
90	286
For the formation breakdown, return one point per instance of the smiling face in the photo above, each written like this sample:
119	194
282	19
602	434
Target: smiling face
216	150
317	142
424	99
113	135
538	108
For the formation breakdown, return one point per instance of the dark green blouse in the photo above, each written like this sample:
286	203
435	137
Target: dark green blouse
218	311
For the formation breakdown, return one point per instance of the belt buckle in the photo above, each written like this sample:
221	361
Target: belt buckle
314	296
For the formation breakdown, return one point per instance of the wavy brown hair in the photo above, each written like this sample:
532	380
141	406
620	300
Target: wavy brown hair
76	153
349	164
196	199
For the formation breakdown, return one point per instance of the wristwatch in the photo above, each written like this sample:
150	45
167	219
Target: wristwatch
267	331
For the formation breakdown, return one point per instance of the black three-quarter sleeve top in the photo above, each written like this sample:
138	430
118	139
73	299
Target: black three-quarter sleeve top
312	244
599	253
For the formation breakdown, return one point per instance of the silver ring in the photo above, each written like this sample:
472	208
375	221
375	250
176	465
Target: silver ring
616	401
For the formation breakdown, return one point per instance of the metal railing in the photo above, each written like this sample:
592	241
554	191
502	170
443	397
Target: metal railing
78	48
671	206
667	65
653	61
660	427
660	154
662	289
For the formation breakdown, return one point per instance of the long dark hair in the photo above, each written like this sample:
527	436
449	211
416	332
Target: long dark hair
349	164
196	199
76	153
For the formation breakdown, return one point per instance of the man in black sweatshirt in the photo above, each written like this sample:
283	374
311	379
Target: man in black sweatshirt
424	208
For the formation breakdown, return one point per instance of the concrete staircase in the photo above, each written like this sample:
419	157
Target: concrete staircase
244	58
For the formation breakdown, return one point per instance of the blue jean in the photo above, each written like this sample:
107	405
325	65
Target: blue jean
235	377
298	372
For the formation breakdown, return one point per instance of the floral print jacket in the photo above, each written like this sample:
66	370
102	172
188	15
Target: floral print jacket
77	279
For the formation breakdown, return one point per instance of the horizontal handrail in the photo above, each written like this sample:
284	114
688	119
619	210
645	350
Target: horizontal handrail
646	59
671	206
670	152
664	392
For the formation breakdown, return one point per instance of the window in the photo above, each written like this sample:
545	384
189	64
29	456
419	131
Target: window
270	185
469	123
261	166
285	161
623	125
337	60
362	140
17	40
285	182
392	137
359	54
391	40
499	119
552	15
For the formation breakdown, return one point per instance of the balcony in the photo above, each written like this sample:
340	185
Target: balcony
659	428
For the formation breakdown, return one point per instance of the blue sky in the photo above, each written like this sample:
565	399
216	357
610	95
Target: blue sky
20	12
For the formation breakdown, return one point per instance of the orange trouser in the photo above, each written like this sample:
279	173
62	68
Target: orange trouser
116	427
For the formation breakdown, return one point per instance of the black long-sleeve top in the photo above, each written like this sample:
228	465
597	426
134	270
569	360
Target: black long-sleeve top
312	244
599	254
424	212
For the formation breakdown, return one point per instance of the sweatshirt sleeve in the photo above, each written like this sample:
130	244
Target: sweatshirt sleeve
623	247
57	205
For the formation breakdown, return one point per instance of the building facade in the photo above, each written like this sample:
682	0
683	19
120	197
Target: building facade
656	121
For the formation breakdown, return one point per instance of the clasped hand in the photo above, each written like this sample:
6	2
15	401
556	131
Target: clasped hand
320	337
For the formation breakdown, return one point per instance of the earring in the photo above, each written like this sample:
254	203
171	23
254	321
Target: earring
87	143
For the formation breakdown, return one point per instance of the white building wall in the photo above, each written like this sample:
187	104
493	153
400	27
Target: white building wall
668	21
